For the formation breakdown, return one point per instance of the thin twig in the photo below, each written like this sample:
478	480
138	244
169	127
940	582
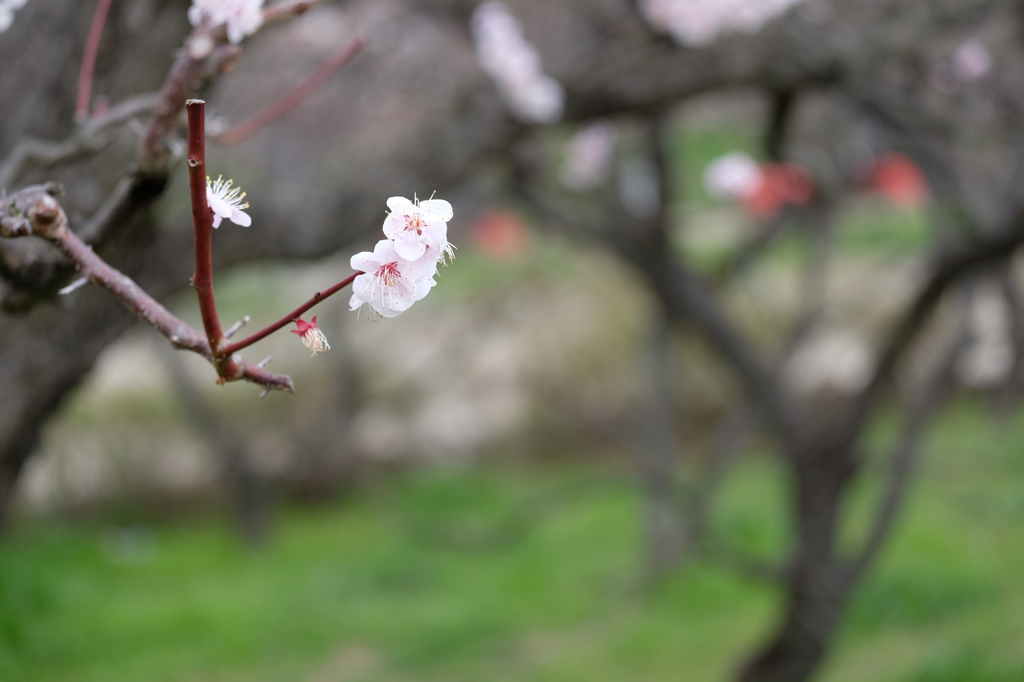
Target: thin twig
288	102
318	297
934	388
287	8
89	138
92	44
233	329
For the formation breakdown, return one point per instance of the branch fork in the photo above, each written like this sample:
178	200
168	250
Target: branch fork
35	211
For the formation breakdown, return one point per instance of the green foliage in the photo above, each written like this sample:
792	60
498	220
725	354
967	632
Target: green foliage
493	574
967	666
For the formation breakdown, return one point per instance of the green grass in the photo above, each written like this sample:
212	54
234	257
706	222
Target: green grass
499	574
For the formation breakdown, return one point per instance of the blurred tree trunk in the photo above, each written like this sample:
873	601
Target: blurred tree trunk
666	539
48	348
816	585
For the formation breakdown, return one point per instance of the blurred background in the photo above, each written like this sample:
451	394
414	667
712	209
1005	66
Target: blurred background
723	383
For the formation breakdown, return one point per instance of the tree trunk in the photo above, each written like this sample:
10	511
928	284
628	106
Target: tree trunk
818	585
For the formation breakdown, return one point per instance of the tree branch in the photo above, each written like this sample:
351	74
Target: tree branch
202	221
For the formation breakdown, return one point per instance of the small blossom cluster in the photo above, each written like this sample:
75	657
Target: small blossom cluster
401	268
514	64
239	17
698	23
7	10
763	188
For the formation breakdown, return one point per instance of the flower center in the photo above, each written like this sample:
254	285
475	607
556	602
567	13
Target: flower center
414	222
388	274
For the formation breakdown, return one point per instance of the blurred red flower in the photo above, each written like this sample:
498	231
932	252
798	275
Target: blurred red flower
780	184
500	234
898	179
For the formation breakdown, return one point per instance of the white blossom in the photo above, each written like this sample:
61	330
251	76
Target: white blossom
240	17
226	201
732	177
698	23
7	10
415	225
514	64
390	284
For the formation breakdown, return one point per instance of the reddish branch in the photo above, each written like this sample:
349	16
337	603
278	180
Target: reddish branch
183	80
205	53
318	297
202	220
202	280
293	98
92	45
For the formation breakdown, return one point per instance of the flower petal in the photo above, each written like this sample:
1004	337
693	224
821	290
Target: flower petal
436	209
401	205
409	245
364	262
240	218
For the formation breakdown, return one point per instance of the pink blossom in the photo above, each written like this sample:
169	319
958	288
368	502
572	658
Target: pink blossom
312	338
972	60
415	225
240	17
589	155
390	284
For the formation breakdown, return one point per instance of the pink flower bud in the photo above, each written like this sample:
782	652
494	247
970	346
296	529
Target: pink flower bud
312	338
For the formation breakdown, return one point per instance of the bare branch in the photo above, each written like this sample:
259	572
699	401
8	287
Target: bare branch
933	390
92	44
90	138
34	211
291	100
317	298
